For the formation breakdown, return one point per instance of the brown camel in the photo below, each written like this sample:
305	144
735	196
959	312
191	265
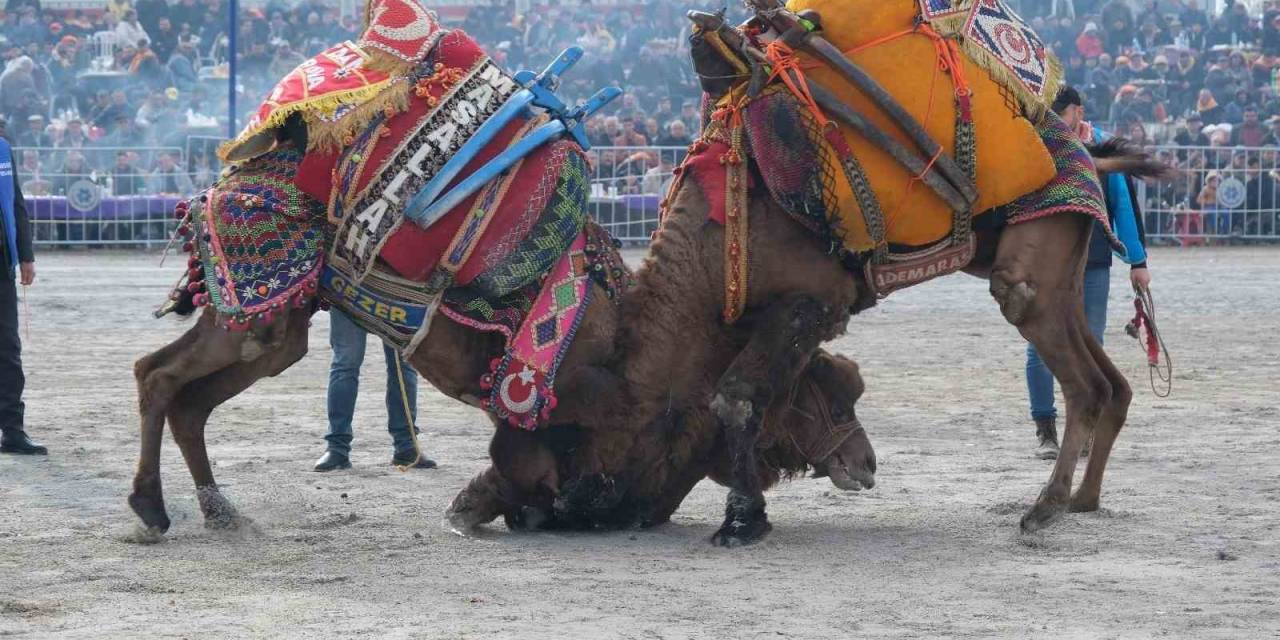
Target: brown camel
816	430
665	379
207	366
649	373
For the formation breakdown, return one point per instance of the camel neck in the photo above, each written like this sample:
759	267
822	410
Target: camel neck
670	319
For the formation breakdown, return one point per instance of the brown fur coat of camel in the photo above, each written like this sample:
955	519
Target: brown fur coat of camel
531	483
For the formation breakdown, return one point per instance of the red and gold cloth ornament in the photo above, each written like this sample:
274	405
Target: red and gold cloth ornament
402	28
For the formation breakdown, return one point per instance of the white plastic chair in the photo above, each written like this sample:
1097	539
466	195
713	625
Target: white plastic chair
104	48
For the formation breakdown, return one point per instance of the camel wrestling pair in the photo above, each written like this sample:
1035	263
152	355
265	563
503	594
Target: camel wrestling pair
850	148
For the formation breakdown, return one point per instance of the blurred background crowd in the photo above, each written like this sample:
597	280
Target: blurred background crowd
133	92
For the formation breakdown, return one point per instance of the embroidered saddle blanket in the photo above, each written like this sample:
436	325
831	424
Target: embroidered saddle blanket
516	257
256	242
1008	157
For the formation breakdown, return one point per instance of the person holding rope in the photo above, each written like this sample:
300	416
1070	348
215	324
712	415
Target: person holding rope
18	260
1126	221
348	341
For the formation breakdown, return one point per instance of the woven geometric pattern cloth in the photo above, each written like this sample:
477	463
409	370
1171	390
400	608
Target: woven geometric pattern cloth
259	241
787	145
561	222
1011	160
1008	40
1075	188
522	382
499	295
935	9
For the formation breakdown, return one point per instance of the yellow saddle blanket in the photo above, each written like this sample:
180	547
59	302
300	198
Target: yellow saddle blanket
879	36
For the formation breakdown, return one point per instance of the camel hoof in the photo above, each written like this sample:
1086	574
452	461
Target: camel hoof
218	512
142	534
1041	515
528	518
463	516
151	511
1083	504
740	534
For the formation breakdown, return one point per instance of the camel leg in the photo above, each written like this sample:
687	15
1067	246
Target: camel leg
1037	280
202	350
189	413
486	497
782	342
520	484
1109	424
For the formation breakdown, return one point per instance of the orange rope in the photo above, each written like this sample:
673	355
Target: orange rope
950	60
783	60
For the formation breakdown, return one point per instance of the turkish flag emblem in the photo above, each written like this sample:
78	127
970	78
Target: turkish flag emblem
518	392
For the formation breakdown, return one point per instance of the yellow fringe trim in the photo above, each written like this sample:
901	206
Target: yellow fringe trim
325	135
329	102
379	60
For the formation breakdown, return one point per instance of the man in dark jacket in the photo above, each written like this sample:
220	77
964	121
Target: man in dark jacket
16	259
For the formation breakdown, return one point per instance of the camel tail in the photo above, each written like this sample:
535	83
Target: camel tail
1119	155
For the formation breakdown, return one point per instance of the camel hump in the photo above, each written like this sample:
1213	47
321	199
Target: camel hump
1004	145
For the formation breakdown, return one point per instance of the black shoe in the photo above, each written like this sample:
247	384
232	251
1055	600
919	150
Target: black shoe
331	461
17	441
1047	433
407	459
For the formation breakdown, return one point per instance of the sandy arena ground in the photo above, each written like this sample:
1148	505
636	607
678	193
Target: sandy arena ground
1186	546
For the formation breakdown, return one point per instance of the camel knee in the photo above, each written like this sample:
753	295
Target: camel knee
733	403
1015	298
1091	397
1121	393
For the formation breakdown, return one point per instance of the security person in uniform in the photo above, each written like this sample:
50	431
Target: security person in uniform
16	260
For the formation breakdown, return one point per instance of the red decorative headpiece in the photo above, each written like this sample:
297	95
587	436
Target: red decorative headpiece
403	28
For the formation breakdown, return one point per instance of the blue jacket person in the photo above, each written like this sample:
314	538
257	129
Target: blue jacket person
16	260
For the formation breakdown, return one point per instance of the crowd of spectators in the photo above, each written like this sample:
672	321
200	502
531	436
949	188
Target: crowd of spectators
1159	62
1172	73
151	75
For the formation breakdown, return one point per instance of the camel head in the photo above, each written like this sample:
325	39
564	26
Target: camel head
824	428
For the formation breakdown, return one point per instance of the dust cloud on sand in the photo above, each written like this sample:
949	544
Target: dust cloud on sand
1186	545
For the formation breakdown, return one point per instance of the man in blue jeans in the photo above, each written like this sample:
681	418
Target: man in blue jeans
1126	221
348	341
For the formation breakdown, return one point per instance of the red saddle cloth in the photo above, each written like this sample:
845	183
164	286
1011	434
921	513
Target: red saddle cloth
410	250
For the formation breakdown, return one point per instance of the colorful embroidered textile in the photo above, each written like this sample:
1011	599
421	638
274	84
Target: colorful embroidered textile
1007	40
998	40
1011	160
404	29
324	87
788	147
561	222
1075	188
396	156
521	383
934	9
258	242
496	289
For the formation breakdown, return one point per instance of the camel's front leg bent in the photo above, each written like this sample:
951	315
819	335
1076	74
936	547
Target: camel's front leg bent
185	381
160	376
783	339
190	410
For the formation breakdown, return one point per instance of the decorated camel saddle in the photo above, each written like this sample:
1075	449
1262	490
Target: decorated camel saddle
887	128
432	182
